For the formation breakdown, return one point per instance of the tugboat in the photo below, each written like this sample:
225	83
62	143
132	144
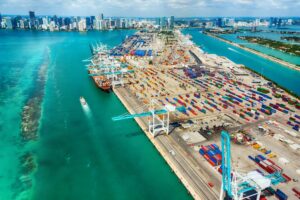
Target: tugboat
83	101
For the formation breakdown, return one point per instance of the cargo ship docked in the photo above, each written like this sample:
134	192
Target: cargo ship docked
107	67
102	82
98	66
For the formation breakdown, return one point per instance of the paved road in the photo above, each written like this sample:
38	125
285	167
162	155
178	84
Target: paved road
249	125
190	169
181	158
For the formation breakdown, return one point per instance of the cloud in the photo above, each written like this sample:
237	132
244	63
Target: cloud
143	8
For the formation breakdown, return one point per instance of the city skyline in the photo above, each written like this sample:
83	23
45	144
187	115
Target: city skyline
152	8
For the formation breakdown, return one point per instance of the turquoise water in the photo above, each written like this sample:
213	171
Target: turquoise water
273	52
284	76
80	153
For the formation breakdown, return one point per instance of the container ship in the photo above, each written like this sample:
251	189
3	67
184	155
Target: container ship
102	82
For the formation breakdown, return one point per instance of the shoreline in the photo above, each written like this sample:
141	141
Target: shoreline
270	58
187	171
192	179
158	146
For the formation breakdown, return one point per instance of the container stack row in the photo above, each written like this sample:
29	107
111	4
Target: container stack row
212	154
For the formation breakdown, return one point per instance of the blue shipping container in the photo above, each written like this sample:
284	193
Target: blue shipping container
281	195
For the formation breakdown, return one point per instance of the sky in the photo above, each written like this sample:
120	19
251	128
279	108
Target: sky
153	8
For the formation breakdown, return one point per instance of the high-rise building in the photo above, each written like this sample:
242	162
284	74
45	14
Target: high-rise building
273	21
67	21
31	15
88	22
32	23
123	23
54	19
157	21
8	23
219	22
112	24
101	16
52	26
59	21
45	23
92	21
0	19
172	22
279	22
82	25
163	22
118	23
21	24
15	22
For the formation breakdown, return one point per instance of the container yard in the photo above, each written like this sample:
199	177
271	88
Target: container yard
192	96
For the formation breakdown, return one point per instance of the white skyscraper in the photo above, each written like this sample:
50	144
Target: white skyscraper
45	24
8	22
82	25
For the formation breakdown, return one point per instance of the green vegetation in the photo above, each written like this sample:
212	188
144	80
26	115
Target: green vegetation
291	38
221	31
281	46
263	90
274	83
277	95
167	32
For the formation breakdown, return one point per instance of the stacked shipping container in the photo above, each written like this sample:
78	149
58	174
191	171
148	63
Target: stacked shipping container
212	154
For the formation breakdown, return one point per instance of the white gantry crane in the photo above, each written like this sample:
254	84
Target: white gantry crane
158	117
235	185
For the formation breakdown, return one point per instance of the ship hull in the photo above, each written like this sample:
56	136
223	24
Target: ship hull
104	85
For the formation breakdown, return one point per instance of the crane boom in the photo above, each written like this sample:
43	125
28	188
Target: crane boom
145	114
226	163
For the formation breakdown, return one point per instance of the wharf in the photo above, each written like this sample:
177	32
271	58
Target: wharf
218	95
183	165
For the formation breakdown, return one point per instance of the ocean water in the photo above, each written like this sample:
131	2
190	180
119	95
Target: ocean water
284	76
272	52
79	153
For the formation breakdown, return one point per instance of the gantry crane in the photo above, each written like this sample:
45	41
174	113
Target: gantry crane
237	185
159	117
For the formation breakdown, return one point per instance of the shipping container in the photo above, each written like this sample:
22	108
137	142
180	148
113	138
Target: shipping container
297	191
280	195
286	177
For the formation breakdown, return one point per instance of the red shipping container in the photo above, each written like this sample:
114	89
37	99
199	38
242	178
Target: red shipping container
220	170
270	169
212	163
204	148
296	190
206	157
212	146
271	161
286	177
277	168
218	157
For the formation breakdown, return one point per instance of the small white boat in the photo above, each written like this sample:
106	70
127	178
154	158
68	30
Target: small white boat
83	101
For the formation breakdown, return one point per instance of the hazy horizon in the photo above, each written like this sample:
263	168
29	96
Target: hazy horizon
154	8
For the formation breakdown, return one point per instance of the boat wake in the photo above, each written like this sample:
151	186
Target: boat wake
87	111
231	49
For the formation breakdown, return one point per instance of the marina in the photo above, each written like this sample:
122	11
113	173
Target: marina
182	98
